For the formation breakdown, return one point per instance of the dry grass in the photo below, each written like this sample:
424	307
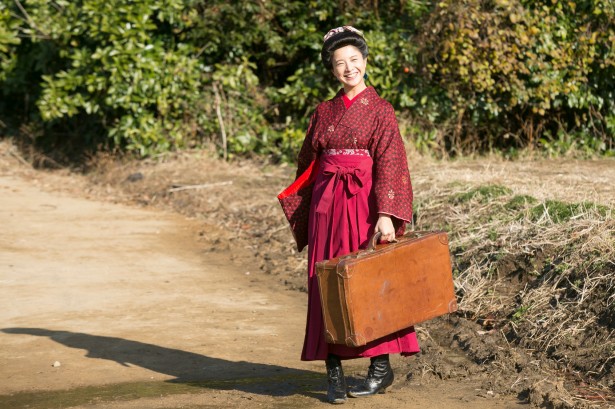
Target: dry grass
541	269
567	180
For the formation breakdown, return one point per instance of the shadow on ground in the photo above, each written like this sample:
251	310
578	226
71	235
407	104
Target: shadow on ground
192	371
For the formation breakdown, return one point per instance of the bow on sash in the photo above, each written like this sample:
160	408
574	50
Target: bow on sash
352	178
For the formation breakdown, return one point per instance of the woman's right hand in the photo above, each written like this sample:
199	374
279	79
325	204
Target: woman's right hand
385	226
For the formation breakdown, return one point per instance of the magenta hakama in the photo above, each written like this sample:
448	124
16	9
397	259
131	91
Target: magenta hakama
342	219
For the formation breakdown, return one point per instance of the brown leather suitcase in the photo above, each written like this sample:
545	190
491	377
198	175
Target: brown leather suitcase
375	292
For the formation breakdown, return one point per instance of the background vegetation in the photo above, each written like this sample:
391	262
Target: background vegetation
151	76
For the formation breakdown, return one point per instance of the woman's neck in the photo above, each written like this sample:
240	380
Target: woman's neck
356	90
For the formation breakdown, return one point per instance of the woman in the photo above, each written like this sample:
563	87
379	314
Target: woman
362	186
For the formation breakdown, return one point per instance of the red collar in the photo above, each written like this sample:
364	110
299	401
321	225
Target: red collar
348	102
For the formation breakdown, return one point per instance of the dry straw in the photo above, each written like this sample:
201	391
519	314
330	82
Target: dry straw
537	262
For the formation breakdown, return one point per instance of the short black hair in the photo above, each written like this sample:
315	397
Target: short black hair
340	40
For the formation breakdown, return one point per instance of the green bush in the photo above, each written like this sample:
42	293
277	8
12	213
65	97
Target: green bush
8	41
524	73
151	76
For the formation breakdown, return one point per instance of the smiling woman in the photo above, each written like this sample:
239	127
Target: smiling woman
345	54
362	185
349	68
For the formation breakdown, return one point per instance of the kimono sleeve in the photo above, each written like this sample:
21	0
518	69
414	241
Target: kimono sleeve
392	185
308	152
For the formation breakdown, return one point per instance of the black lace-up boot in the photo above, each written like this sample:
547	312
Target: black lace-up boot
336	392
379	377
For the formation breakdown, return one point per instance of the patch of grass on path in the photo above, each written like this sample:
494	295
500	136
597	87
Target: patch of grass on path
482	193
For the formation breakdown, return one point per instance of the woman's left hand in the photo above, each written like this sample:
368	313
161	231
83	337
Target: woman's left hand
385	226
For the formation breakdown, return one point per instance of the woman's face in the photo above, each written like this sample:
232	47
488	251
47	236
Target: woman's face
348	66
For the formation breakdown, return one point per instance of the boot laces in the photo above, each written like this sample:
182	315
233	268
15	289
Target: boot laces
335	374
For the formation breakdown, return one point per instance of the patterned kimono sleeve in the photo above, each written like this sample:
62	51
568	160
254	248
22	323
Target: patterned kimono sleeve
392	185
308	152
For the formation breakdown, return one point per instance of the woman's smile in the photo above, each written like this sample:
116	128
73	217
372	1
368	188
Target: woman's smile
349	67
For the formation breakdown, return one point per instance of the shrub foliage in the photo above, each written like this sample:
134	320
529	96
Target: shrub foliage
150	76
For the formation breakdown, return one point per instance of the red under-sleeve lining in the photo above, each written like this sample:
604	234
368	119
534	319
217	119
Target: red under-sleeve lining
305	179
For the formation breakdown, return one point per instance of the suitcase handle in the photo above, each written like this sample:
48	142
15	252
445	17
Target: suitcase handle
372	243
374	240
370	248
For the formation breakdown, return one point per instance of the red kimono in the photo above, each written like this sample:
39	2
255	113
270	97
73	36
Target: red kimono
362	172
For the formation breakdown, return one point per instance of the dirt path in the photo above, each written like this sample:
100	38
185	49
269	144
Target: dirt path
134	314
